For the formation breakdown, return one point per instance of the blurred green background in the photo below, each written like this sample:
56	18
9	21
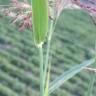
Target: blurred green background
73	42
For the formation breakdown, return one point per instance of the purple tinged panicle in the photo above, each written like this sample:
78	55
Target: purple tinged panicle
24	13
89	6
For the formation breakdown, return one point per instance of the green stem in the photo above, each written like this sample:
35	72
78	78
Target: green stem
51	31
48	51
52	28
41	72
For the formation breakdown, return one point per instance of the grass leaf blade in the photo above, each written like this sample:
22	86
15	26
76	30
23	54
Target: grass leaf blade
40	20
69	74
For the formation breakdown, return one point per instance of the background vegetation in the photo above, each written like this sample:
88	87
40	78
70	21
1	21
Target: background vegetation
73	41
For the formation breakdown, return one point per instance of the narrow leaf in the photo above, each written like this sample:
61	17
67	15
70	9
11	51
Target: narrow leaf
40	20
69	74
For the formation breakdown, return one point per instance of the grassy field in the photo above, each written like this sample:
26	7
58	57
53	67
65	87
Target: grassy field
73	42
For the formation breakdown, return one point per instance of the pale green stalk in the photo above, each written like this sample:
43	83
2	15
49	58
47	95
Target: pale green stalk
51	31
48	50
41	71
47	81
